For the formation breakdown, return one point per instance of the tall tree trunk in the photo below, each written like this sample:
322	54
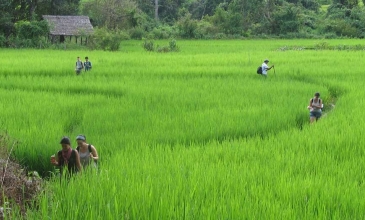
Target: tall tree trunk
156	10
32	7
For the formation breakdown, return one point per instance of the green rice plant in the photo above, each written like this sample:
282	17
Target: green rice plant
195	134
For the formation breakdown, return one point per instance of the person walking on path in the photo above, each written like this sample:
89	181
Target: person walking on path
79	66
265	67
67	158
315	108
87	152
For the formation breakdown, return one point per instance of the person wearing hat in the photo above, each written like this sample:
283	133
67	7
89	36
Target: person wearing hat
67	157
315	108
87	64
87	152
265	67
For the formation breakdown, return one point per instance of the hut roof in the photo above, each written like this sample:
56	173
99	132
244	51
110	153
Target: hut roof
69	25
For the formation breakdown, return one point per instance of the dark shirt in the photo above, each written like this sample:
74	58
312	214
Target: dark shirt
70	162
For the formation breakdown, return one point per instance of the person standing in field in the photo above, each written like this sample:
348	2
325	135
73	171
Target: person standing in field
67	159
315	108
87	64
265	67
79	66
87	152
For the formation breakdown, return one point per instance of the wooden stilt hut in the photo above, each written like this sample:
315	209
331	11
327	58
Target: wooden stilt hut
64	27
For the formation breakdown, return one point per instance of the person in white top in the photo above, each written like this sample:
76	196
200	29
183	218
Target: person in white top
265	67
87	152
78	66
315	108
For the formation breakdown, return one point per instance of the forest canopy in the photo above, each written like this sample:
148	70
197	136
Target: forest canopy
21	22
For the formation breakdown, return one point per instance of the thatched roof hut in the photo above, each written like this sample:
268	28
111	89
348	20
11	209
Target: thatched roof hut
64	26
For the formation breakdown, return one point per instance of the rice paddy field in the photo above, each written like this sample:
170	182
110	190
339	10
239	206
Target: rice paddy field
194	134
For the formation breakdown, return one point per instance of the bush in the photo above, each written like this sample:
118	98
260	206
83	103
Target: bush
105	39
68	45
31	34
137	33
187	26
2	40
163	32
163	49
205	30
148	45
173	46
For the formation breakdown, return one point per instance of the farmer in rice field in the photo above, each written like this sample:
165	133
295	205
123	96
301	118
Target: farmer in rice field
87	64
265	67
315	108
87	152
79	66
67	158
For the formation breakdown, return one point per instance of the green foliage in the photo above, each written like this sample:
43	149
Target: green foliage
163	32
2	40
338	11
173	46
32	30
148	45
31	34
286	19
187	26
206	30
196	134
346	3
313	5
191	19
112	14
105	39
137	33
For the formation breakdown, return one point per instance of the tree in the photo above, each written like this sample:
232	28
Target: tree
156	10
347	3
6	24
64	7
112	14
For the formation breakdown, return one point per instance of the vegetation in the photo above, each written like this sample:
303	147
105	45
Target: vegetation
195	134
187	19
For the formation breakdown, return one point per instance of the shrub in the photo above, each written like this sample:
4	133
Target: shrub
205	30
137	33
2	40
163	49
106	40
163	32
30	34
173	46
148	45
187	26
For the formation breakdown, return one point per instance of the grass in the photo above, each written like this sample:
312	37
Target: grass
195	134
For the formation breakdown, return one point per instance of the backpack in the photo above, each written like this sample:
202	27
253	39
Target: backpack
319	100
259	70
82	64
90	151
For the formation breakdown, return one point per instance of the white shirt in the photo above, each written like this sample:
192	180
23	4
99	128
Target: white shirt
264	67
